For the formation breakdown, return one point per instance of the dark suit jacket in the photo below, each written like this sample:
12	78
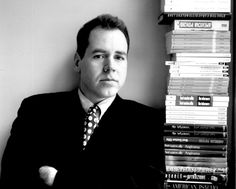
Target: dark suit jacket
125	151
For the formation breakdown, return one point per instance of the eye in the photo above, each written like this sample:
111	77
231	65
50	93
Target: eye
98	56
119	57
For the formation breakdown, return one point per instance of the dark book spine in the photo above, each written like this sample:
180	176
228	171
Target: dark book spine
196	146
195	133
215	178
202	153
194	140
169	17
195	127
193	185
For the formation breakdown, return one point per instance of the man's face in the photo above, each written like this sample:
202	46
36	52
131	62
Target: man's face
103	68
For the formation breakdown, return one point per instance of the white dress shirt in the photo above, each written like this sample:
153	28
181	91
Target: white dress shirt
103	105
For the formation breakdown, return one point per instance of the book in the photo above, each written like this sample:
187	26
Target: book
196	113
196	159
202	153
202	55
215	178
189	169
169	17
185	34
219	75
195	6
198	69
190	24
195	103
199	62
195	133
196	108
197	164
197	98
194	140
193	127
192	185
197	121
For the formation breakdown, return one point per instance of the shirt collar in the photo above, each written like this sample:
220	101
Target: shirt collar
103	105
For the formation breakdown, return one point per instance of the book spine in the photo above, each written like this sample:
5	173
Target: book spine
195	133
189	169
217	178
202	153
196	121
189	127
197	98
219	75
203	55
196	108
196	113
198	69
168	17
194	140
183	185
221	25
194	103
196	164
196	159
199	62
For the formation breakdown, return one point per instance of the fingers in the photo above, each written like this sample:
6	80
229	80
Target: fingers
47	174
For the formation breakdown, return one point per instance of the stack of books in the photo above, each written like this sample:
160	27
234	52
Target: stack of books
194	9
196	6
197	99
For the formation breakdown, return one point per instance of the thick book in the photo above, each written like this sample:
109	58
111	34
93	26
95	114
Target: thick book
218	25
169	17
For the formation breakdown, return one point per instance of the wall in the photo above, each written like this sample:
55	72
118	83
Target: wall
37	44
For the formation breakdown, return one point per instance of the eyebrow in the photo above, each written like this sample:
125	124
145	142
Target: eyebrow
104	51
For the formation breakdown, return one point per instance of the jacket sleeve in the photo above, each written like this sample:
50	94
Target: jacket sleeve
17	169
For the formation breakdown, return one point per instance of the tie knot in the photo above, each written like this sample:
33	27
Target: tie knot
95	110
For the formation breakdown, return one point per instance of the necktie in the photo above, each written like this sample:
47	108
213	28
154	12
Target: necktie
90	123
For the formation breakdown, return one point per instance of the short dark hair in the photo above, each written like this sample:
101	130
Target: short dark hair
104	21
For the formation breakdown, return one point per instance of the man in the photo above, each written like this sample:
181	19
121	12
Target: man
50	145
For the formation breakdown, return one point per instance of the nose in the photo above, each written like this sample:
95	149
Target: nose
109	65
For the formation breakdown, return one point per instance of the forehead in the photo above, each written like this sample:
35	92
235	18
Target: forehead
108	38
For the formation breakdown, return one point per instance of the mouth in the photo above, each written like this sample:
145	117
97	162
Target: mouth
108	80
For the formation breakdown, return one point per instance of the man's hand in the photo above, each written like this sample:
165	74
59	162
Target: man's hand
47	174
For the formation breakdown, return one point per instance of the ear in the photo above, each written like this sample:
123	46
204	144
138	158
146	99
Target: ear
77	61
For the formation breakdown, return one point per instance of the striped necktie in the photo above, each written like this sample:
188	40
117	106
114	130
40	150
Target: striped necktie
90	123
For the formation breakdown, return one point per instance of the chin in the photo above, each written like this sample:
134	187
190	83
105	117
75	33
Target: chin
110	92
